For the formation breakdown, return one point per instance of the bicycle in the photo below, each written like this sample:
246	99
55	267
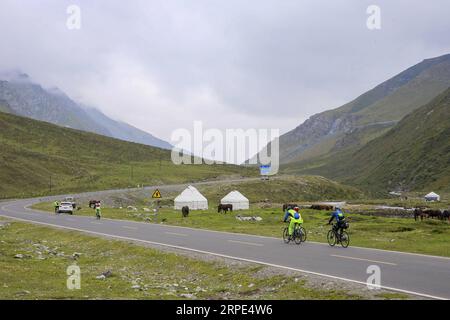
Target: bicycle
298	236
334	236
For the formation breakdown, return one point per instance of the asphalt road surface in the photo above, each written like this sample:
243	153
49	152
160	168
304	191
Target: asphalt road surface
423	275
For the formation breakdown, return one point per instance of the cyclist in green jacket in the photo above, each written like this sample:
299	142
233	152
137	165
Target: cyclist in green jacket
56	205
295	218
98	210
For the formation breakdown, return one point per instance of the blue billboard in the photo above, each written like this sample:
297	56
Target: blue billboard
265	170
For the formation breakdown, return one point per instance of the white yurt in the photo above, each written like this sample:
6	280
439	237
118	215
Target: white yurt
238	201
192	198
432	197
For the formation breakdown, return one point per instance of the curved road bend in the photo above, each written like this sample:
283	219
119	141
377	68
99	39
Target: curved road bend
423	275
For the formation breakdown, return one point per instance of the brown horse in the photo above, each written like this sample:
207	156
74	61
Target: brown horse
224	207
418	213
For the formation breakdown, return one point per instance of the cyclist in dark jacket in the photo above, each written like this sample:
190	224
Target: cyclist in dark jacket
340	220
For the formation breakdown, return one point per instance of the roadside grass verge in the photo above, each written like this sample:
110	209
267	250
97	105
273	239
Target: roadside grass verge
137	272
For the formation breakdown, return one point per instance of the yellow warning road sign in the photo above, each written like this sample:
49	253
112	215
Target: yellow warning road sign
156	194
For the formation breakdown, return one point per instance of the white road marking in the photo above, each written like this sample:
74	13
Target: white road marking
248	243
128	227
354	258
224	256
177	234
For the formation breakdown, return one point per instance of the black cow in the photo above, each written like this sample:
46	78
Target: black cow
446	215
185	211
433	214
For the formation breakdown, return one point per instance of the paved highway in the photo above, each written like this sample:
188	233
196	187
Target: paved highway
428	276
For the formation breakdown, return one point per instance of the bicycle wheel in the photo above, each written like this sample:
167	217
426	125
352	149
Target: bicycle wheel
331	237
303	234
297	235
286	235
345	239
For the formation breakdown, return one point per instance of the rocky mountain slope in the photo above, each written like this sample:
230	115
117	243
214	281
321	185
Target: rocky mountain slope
413	155
369	115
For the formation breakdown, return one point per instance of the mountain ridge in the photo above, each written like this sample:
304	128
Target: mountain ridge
21	96
382	107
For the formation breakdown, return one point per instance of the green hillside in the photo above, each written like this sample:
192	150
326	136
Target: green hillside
38	158
285	189
414	155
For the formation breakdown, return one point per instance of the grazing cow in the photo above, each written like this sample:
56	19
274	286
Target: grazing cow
433	214
224	207
429	213
322	207
288	206
446	215
185	211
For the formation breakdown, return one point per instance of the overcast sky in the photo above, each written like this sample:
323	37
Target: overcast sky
160	65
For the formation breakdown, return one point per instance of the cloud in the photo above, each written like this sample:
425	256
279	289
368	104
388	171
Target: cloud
160	65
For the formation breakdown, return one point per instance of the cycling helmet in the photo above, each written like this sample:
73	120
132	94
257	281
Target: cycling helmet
296	209
296	215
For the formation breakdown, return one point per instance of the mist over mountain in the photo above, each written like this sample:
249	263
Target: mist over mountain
20	95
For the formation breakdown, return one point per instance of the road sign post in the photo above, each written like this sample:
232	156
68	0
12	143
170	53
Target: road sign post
156	195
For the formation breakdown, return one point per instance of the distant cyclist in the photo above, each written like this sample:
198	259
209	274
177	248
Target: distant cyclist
295	218
340	220
56	205
98	210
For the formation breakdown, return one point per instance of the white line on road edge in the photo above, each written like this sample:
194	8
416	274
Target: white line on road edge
225	256
258	236
354	258
249	243
177	234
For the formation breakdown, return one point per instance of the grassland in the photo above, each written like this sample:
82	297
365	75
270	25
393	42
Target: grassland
284	189
38	158
34	261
